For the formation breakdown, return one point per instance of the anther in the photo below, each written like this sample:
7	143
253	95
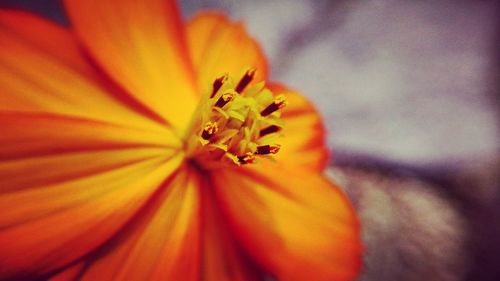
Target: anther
218	84
268	149
248	158
278	103
245	80
269	130
224	99
209	130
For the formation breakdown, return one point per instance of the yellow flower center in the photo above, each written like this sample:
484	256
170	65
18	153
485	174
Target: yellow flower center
236	123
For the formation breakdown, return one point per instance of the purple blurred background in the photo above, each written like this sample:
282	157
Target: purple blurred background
410	92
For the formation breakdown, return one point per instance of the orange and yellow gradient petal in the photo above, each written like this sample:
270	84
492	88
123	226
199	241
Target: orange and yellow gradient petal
48	225
296	224
76	162
162	242
141	45
303	142
218	46
42	69
223	257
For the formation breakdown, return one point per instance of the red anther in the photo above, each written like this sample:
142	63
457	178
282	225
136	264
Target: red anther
218	84
245	80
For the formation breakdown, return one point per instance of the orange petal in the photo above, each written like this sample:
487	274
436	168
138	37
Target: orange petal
47	227
69	274
218	46
160	243
43	70
223	259
303	141
297	224
39	149
141	45
67	184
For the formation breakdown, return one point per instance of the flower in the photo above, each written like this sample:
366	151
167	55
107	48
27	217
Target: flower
133	147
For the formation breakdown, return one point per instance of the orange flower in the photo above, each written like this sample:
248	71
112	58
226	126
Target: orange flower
133	147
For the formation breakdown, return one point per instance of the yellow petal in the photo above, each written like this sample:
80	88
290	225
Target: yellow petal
141	45
42	69
218	46
295	223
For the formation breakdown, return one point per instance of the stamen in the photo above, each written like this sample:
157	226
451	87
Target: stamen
278	103
245	80
218	84
224	99
248	158
269	130
235	125
268	149
209	130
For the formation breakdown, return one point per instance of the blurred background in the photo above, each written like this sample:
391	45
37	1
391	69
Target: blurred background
410	91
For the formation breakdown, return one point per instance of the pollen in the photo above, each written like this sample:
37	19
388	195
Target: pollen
248	158
224	99
237	122
209	130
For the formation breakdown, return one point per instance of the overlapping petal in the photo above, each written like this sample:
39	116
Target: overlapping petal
68	184
223	258
162	242
77	160
141	45
295	223
42	69
51	224
218	46
303	141
70	273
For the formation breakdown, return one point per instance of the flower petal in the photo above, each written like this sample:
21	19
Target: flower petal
160	243
38	149
303	143
47	227
223	259
141	45
218	46
297	224
43	70
69	274
67	184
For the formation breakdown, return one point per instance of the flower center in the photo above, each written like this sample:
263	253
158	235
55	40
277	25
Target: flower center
236	123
